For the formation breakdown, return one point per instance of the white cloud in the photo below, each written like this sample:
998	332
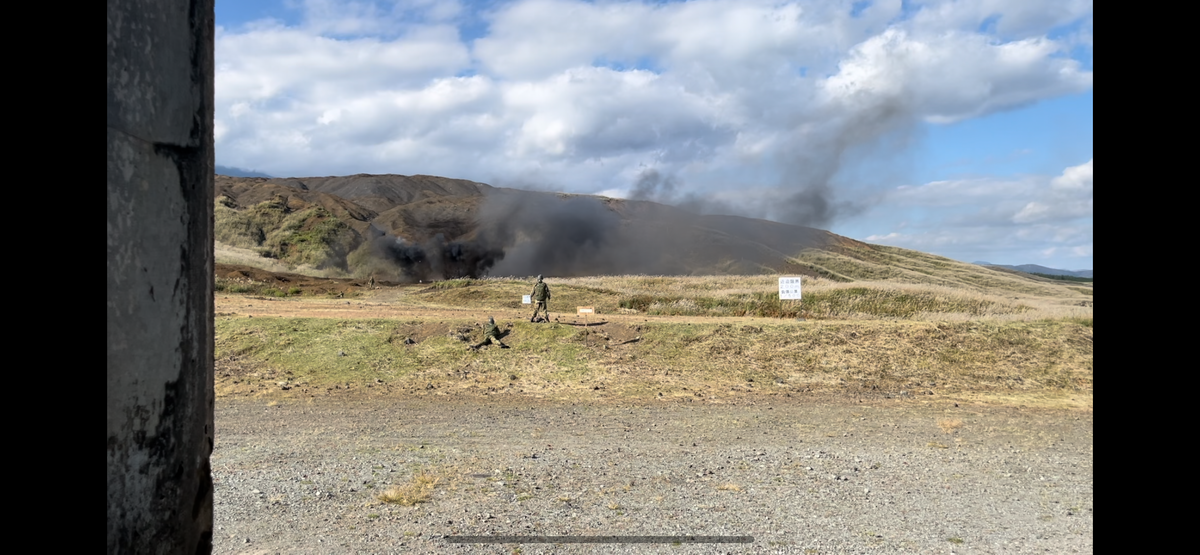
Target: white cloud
953	76
272	63
1045	216
957	192
1068	197
1029	199
996	244
1075	179
536	39
764	96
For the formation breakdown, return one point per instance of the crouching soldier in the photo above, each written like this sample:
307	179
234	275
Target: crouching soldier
491	334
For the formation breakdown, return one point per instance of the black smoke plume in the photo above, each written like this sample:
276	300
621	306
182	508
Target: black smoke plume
520	233
812	166
651	185
438	257
814	169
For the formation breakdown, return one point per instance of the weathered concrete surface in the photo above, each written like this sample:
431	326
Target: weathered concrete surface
160	237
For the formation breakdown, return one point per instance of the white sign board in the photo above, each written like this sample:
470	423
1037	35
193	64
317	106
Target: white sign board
585	310
789	288
527	299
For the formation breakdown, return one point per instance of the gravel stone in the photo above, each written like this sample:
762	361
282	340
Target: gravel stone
303	477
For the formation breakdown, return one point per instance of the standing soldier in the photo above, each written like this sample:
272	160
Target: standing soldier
491	334
541	294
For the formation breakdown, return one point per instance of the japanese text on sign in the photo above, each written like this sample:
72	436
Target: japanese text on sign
789	288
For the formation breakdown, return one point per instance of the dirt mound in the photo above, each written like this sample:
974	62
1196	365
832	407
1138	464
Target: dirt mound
411	333
616	333
609	334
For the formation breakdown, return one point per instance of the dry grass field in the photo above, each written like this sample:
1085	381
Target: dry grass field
905	326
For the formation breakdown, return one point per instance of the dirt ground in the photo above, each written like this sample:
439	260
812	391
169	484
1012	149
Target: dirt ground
303	476
368	307
807	474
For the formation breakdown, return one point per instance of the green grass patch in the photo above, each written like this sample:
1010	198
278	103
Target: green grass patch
320	352
674	358
310	237
247	228
313	237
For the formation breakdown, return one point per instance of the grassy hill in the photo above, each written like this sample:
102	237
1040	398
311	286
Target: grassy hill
410	228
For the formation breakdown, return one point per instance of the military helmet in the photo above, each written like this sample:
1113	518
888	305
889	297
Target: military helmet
491	320
539	277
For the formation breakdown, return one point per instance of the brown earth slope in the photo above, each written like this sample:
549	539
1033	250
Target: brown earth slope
463	228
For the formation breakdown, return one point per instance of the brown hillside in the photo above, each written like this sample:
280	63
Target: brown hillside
417	227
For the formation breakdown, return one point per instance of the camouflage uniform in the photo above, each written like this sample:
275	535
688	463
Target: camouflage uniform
491	334
540	295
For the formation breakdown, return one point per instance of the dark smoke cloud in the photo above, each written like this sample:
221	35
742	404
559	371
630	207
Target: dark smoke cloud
438	257
814	170
564	235
518	233
846	150
806	197
523	233
651	185
549	235
698	203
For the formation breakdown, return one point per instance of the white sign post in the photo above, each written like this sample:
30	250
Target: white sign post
789	289
585	310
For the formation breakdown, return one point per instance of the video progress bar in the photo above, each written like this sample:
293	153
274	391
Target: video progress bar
600	539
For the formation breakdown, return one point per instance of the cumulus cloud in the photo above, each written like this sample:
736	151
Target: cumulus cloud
770	100
952	76
1068	197
1076	178
995	219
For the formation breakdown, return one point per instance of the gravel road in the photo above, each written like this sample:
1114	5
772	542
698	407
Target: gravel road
812	477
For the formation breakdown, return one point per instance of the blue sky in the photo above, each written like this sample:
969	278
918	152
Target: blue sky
958	128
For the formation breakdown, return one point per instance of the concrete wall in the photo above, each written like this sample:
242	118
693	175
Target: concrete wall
160	275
